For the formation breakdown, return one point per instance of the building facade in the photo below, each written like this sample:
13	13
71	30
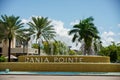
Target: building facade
17	49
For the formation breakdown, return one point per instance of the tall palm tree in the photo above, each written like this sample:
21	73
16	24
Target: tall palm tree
42	29
85	31
12	27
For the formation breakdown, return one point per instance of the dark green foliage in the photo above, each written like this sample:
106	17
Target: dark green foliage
113	51
85	31
113	56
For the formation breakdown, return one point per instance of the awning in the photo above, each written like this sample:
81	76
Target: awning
12	57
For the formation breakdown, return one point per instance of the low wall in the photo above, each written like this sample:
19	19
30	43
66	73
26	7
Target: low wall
63	59
70	67
62	63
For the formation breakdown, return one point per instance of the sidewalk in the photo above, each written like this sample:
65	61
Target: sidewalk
41	77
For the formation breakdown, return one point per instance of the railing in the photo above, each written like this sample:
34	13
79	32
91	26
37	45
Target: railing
24	50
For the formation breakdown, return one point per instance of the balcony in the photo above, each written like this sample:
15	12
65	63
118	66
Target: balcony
24	50
28	51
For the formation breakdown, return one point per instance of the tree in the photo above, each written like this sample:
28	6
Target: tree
58	48
72	52
85	31
113	51
11	28
41	29
35	46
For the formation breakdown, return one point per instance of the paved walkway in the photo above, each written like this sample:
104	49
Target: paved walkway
40	77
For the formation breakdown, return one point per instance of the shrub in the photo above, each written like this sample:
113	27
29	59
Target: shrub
72	52
113	56
113	51
2	59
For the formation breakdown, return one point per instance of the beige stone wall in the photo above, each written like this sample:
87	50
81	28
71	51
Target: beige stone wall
72	67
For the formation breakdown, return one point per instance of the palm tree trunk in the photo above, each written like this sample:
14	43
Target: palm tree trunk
9	50
39	49
49	50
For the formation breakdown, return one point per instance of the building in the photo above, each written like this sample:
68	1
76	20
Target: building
17	48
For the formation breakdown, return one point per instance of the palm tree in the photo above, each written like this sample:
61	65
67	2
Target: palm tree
11	28
84	32
42	29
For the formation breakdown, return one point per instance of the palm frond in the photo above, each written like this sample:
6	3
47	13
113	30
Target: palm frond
73	31
12	25
41	26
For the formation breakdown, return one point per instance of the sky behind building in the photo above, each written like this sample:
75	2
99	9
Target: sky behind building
65	13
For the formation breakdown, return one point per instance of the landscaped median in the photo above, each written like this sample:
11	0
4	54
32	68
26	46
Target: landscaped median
70	67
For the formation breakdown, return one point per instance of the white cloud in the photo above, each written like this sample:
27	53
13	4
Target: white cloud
25	21
74	22
62	33
110	33
107	38
59	28
118	25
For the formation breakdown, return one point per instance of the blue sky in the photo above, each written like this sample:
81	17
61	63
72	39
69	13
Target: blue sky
66	12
